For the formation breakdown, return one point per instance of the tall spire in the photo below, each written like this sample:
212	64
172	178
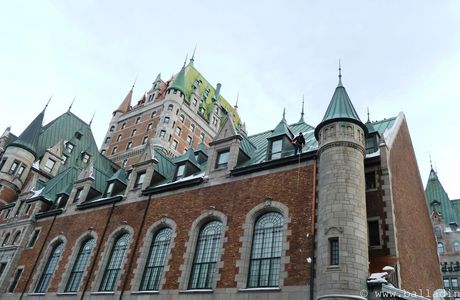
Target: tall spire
237	97
302	113
71	104
368	119
340	74
284	114
28	139
92	118
192	59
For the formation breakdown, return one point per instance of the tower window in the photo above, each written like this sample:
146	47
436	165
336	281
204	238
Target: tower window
178	131
114	150
149	127
440	248
2	163
112	128
133	132
107	140
144	140
170	107
49	165
222	159
181	118
334	251
139	180
174	144
457	247
438	232
138	119
14	167
154	113
123	126
130	144
162	133
118	137
166	120
21	170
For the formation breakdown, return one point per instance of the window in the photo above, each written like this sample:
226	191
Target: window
133	132
202	136
78	195
50	266
206	255
80	265
138	119
222	159
180	171
118	137
150	98
112	128
107	140
370	180
144	140
17	275
170	107
14	167
139	180
438	232
456	247
194	102
440	248
156	260
78	135
2	268
114	150
154	113
189	140
64	158
446	283
18	211
178	131
264	266
454	283
2	163
33	239
70	147
214	121
114	263
85	157
181	118
5	240
334	251
277	148
374	233
21	170
149	127
109	190
162	133
174	145
192	127
49	165
16	237
130	144
123	126
166	120
124	163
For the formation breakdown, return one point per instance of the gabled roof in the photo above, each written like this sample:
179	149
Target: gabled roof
28	139
282	129
188	156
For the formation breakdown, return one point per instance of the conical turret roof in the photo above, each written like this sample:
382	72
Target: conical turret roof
28	139
124	106
435	193
179	82
340	109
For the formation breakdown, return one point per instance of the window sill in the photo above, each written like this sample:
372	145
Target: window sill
103	293
333	268
260	289
197	291
145	292
67	294
36	294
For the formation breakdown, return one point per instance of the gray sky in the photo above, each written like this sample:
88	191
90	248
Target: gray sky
396	56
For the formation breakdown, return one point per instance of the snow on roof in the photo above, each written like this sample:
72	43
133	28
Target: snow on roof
378	278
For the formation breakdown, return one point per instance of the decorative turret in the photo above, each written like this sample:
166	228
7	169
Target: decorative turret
179	82
126	104
29	137
342	239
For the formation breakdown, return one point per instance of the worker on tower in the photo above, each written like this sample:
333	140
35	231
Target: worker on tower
298	142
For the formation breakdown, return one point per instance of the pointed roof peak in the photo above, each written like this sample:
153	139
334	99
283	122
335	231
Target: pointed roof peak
47	103
179	81
302	113
71	103
192	59
282	128
126	103
28	139
340	74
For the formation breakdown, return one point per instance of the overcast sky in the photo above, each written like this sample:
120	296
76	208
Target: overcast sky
396	56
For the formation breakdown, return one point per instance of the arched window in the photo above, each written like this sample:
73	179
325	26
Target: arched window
80	265
156	260
440	248
206	255
456	247
16	237
49	269
264	267
5	240
114	263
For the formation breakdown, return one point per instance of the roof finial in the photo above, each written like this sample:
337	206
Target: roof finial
185	61
134	83
92	118
237	97
284	113
47	103
431	163
192	59
71	104
368	119
340	73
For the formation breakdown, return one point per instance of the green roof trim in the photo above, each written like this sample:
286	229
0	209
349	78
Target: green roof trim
282	129
119	175
28	139
189	156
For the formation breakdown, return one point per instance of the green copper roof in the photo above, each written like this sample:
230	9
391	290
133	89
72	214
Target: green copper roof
30	136
202	147
179	82
119	175
434	191
370	127
340	108
282	129
189	156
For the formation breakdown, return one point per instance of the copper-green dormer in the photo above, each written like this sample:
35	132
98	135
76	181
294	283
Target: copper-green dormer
340	109
179	82
282	129
28	139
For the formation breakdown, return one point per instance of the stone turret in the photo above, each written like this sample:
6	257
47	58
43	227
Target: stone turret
18	159
342	238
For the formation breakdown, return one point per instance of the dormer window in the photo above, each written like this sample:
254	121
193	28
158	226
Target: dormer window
61	201
69	147
77	195
277	149
180	172
109	190
139	180
64	157
222	159
78	135
85	157
49	165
